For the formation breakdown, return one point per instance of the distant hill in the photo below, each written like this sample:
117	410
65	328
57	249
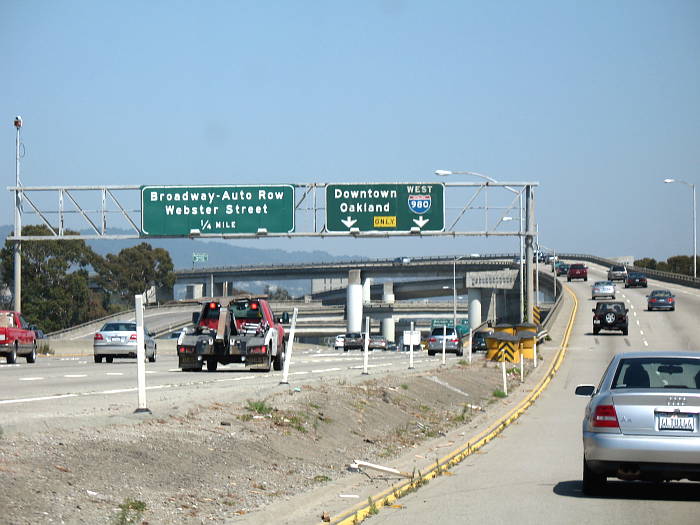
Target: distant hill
220	253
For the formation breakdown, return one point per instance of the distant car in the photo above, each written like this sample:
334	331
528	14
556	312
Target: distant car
391	346
377	342
562	269
635	280
661	300
353	340
479	341
577	271
118	339
339	343
38	332
603	289
610	315
641	422
452	341
617	273
403	260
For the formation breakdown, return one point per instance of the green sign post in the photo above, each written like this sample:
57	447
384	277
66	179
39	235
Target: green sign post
385	207
176	211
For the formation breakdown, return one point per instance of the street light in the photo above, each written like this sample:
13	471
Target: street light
695	239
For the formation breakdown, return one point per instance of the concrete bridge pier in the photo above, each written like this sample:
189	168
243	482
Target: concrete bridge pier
367	291
474	295
354	301
388	293
389	328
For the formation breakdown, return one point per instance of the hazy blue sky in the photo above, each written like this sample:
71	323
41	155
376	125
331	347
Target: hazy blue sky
598	101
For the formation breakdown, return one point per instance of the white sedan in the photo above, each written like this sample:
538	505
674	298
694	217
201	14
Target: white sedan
603	289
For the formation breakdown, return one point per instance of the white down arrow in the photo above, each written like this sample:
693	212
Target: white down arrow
420	222
349	221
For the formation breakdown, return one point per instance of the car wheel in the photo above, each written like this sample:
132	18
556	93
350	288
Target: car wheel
212	364
460	353
98	359
568	279
278	363
625	331
593	484
12	356
31	358
585	278
673	308
152	359
596	331
109	359
430	352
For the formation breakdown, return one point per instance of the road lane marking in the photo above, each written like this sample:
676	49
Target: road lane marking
31	378
645	343
641	332
30	399
326	370
114	373
75	375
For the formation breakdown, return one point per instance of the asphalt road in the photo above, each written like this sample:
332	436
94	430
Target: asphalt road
532	473
74	391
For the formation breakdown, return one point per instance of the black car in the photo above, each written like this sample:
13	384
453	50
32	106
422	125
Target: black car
635	280
479	341
661	300
610	315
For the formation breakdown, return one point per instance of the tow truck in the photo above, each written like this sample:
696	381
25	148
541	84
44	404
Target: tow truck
244	330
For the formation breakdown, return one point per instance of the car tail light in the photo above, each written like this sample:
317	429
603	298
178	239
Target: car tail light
259	350
133	337
454	340
670	299
605	416
185	349
652	300
432	340
98	337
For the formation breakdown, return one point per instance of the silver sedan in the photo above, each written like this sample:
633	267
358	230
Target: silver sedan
603	289
642	421
118	339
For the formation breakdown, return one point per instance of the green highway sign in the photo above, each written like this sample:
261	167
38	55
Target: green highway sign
178	211
385	207
199	257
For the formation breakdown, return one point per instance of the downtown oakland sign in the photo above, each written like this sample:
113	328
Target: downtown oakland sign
385	207
178	211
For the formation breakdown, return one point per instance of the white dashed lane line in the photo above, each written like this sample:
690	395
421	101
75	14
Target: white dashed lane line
75	375
114	374
31	378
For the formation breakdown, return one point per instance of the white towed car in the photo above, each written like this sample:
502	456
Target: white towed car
118	339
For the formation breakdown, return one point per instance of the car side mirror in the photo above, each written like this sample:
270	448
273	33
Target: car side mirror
285	318
593	310
626	310
585	390
195	317
151	333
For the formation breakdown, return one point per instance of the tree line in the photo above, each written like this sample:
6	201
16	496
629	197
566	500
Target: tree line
682	264
65	282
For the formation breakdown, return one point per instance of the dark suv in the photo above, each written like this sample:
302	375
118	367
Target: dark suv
635	279
577	271
610	315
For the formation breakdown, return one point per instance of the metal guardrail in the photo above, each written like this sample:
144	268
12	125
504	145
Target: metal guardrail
676	278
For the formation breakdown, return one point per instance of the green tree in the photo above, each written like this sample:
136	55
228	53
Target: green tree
55	291
646	262
134	270
680	264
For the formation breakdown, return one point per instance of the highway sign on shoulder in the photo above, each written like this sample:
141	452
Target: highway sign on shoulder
182	210
385	207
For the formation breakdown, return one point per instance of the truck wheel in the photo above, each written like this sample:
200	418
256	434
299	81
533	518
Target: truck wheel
98	359
31	358
109	359
152	359
278	363
212	363
12	356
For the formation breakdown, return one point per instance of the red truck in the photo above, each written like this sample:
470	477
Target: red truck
577	271
242	331
16	337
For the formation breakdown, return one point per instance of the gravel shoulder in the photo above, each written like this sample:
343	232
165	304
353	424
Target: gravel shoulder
280	457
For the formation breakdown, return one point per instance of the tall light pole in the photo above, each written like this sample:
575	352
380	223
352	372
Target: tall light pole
18	224
695	238
454	290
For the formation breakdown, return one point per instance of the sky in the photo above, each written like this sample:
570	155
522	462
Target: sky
596	101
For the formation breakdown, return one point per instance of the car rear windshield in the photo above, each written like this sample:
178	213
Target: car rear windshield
658	372
119	327
247	310
438	331
603	283
577	266
618	269
618	308
660	293
635	275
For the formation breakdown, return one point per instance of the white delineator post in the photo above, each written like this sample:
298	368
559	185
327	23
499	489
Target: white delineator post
503	369
534	351
288	353
140	356
522	368
444	341
471	333
366	352
410	349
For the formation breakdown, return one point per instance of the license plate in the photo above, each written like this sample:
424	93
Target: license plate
676	422
116	339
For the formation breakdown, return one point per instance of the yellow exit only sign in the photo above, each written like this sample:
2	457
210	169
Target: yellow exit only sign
385	221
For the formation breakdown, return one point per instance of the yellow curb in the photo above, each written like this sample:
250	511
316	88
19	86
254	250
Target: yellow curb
387	497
